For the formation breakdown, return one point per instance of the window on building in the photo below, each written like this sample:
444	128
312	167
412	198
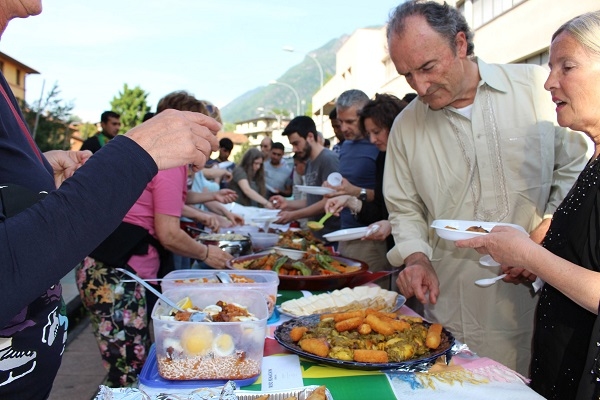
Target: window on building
2	66
18	77
538	59
483	11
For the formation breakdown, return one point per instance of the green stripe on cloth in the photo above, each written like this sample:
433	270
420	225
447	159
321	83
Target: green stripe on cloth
344	383
368	387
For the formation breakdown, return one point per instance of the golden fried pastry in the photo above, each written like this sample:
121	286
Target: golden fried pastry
297	332
349	324
378	325
316	346
364	329
380	313
318	394
370	356
434	336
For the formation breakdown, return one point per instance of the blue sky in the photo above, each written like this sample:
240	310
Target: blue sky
216	49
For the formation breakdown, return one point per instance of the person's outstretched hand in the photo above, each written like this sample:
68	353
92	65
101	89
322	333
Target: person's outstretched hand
225	196
217	258
419	279
174	138
335	205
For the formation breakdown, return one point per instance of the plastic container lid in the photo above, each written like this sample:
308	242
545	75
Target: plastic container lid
265	281
262	279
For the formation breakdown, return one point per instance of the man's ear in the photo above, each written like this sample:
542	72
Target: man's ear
311	135
461	44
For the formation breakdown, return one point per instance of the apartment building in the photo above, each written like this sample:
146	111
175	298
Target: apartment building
15	73
506	31
256	129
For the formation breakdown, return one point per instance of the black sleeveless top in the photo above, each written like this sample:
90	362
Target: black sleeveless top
563	330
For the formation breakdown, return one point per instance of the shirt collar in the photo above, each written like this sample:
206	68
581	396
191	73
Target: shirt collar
490	76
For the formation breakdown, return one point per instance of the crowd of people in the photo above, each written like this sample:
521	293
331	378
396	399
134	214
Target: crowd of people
476	141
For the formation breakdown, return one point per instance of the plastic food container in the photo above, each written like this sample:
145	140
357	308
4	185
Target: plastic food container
187	350
235	244
263	281
244	229
261	241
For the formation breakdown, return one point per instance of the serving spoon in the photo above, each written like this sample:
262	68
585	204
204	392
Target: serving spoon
489	281
145	284
318	225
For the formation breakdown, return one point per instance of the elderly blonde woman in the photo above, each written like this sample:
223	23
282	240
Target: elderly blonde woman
566	342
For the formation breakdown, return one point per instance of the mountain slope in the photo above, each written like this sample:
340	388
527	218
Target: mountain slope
303	77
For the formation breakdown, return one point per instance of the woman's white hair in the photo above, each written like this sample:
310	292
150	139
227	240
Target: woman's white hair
584	28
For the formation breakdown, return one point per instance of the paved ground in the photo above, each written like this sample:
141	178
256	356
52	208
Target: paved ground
81	371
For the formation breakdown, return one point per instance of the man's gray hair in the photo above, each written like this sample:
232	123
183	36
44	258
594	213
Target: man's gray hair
352	97
444	19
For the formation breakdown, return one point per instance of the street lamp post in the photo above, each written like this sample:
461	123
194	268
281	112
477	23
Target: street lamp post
293	90
269	110
314	58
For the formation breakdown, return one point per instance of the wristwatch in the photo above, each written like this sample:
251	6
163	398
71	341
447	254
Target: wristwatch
363	195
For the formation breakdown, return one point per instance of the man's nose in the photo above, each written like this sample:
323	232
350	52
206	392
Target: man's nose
420	85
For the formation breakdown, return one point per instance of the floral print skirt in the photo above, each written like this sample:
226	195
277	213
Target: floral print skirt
119	320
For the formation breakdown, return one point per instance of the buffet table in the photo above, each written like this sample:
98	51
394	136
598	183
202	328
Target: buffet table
468	376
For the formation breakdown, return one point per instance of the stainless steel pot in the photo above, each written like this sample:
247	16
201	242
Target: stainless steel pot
234	243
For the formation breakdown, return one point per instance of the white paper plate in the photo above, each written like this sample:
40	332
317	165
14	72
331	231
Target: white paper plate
225	164
347	234
444	228
264	216
319	190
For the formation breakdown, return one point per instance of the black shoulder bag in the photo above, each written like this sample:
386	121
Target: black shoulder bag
15	198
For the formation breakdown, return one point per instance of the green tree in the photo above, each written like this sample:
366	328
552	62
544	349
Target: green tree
87	130
49	121
237	159
228	127
131	104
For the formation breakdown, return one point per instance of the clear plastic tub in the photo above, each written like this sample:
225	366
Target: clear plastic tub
264	281
187	350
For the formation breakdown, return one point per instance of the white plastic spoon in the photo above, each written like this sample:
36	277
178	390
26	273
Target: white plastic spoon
488	261
489	281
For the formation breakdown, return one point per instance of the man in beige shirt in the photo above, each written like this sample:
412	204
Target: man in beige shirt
479	144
